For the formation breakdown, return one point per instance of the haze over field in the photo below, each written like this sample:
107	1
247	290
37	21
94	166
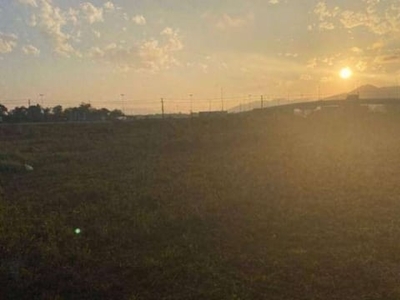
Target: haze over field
127	54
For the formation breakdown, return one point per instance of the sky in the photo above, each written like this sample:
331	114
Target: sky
128	54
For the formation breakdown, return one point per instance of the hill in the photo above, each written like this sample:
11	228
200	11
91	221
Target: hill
369	91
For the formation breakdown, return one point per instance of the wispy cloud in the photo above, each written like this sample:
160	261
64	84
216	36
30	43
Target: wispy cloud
91	13
109	6
29	2
227	21
149	55
30	50
139	20
96	33
7	42
50	21
376	16
325	15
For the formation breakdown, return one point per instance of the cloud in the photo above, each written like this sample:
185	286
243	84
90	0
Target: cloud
351	19
390	58
109	6
325	79
174	42
50	21
32	21
96	33
274	1
7	42
204	68
356	50
139	20
306	77
29	2
325	15
226	21
95	52
31	50
376	16
377	45
373	22
323	61
326	26
91	13
312	63
154	56
361	66
72	16
289	55
149	55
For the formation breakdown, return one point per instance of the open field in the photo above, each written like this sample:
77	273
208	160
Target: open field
259	206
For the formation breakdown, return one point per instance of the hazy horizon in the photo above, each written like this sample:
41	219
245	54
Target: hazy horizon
127	55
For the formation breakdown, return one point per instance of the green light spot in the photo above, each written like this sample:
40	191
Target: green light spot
77	231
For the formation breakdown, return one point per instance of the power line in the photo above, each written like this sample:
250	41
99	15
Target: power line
243	102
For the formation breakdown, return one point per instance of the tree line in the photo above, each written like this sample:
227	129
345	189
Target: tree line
36	113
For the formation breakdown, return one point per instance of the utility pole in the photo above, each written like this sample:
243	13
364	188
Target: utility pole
29	103
222	99
262	101
41	99
123	103
191	104
249	103
162	107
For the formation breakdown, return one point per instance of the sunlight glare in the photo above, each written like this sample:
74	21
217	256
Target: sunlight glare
345	73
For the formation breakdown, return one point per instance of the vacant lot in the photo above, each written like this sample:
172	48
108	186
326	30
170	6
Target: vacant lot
252	207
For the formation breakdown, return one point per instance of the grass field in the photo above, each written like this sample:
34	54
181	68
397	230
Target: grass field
259	206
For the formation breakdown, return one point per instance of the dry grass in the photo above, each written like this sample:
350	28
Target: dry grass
252	207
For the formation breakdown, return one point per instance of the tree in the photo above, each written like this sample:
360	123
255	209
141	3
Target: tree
35	113
84	111
100	114
19	114
57	112
115	114
3	110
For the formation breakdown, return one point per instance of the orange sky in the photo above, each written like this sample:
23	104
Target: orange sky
76	51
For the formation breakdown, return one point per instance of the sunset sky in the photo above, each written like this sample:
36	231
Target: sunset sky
76	51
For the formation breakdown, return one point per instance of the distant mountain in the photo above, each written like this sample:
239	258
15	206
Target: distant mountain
369	91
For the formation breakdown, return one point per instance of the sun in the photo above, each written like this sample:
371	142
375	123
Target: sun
346	73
